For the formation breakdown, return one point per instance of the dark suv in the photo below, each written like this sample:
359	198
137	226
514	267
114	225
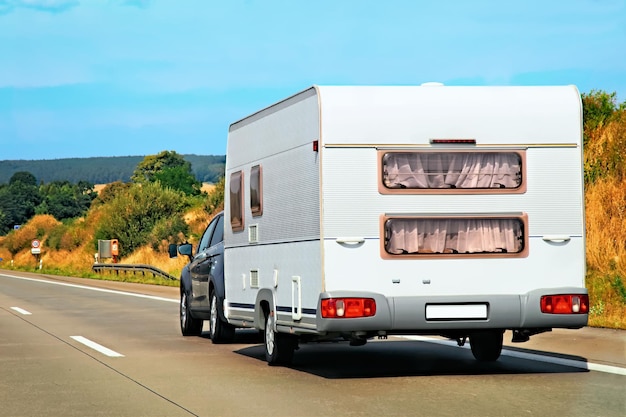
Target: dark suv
202	285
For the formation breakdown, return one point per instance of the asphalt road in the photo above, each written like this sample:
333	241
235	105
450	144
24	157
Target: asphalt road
140	365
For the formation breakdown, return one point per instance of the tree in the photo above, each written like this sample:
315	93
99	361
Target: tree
64	200
179	178
23	177
599	107
18	200
170	170
153	164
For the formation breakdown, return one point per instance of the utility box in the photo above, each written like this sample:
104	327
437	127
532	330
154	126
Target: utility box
105	249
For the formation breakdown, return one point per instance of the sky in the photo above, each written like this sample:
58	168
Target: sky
91	78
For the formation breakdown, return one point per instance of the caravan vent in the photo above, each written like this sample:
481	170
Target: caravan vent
254	278
253	233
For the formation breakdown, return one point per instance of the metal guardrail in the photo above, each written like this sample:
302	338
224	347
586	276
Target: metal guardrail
134	268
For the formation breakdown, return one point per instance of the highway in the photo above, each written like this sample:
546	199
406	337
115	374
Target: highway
79	347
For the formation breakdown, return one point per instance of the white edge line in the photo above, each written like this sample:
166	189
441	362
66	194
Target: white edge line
104	350
535	357
21	311
84	287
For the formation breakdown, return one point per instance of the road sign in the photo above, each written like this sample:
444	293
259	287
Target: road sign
35	247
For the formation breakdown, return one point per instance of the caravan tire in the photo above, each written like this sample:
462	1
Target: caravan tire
188	325
487	345
219	332
279	347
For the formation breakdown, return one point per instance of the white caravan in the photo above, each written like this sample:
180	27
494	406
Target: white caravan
358	212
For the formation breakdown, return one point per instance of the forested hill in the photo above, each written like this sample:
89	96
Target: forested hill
103	170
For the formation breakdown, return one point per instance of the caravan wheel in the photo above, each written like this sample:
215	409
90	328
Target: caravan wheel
486	345
279	347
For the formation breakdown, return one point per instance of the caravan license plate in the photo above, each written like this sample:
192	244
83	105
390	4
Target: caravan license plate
456	311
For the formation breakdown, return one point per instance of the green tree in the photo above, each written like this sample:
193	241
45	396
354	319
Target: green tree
152	164
179	178
64	200
23	177
18	200
599	107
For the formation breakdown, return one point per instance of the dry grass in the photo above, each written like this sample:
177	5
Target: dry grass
605	209
606	225
146	255
197	219
207	187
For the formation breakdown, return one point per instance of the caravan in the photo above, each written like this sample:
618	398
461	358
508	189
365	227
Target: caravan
356	212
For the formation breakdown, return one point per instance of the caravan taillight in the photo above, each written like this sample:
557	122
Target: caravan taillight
565	304
339	308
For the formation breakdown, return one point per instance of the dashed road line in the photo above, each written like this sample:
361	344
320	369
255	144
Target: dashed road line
97	347
21	311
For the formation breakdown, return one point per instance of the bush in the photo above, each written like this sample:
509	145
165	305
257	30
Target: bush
55	236
132	215
37	228
170	230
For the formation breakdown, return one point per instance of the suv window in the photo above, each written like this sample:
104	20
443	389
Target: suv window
218	236
206	237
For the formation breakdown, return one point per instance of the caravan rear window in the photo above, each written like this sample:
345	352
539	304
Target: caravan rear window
455	236
452	172
236	201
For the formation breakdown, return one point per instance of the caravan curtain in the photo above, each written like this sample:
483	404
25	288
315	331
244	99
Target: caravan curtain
440	170
462	236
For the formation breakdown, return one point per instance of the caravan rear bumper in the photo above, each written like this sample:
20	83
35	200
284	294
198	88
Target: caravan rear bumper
422	314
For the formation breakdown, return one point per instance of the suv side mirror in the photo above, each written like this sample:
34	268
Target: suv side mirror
185	249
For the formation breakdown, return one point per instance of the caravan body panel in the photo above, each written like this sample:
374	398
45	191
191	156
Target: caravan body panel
322	231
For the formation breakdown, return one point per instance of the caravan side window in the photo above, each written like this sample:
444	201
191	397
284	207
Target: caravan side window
451	172
256	190
236	201
454	236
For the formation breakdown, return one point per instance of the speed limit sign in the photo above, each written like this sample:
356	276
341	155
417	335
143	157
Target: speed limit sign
35	247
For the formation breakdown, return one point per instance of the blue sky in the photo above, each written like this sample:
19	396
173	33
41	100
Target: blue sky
83	78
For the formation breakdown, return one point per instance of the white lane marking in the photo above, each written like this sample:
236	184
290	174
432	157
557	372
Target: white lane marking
534	357
104	350
84	287
21	311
